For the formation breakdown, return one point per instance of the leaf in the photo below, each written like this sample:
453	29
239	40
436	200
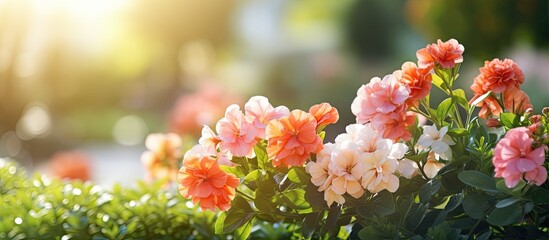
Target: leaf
219	223
428	190
437	81
481	98
262	157
331	219
443	108
239	214
475	204
264	196
244	231
505	216
515	191
299	175
478	180
509	120
314	197
461	98
295	198
484	236
506	202
383	204
540	196
458	132
310	223
252	176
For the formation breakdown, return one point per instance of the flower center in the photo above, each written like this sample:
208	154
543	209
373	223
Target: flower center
379	169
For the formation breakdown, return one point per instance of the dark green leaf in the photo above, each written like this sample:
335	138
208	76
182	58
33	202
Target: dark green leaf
383	204
484	236
310	223
540	196
506	202
331	220
264	196
478	180
475	204
428	190
244	231
505	216
515	191
295	198
240	213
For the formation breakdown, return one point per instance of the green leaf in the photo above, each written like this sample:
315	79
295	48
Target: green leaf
244	231
428	190
311	223
264	196
239	214
540	196
295	198
475	204
443	108
299	175
461	98
505	216
322	135
331	220
262	157
478	180
458	132
438	82
515	191
484	236
509	120
253	176
219	223
507	202
383	204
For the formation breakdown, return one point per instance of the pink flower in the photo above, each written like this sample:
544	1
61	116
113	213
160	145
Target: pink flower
394	125
379	96
292	139
447	54
209	139
262	112
514	156
347	167
162	156
238	136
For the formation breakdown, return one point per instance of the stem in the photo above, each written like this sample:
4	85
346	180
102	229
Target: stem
475	226
422	172
245	195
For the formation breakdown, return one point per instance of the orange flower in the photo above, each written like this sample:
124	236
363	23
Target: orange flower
202	180
292	139
447	54
419	81
70	165
324	114
516	101
489	107
498	76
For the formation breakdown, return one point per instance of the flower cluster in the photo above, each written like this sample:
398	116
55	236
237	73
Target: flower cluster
358	160
291	138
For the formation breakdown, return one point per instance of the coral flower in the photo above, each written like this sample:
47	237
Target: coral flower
324	114
262	112
513	156
419	81
162	156
379	96
516	101
70	165
447	54
394	125
238	136
292	139
498	76
202	180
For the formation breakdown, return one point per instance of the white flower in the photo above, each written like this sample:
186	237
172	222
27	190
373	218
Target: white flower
432	166
437	140
407	168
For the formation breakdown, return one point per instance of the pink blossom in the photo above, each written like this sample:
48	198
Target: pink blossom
262	112
514	156
379	96
447	54
238	136
394	125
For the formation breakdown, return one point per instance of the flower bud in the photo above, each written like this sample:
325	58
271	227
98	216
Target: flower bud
535	118
545	139
545	111
536	128
493	122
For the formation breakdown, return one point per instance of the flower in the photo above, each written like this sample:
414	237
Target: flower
498	76
319	169
447	54
261	112
379	96
70	165
379	171
346	165
513	156
394	125
324	114
163	153
419	81
437	140
292	139
432	166
209	139
407	168
237	134
516	101
202	180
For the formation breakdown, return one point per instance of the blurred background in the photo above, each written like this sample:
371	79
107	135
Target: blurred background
83	82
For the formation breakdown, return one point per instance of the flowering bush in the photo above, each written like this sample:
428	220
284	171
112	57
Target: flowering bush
458	176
